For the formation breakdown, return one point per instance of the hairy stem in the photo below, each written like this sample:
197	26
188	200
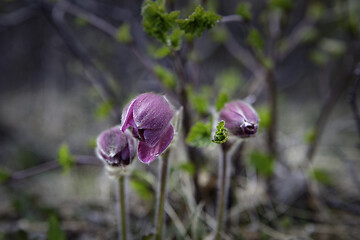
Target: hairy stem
121	208
223	188
161	191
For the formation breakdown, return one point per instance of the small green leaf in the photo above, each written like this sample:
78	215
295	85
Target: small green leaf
4	175
104	109
281	4
221	133
175	39
199	101
199	135
265	116
166	76
156	22
65	159
316	10
219	34
262	162
255	40
244	10
54	229
321	176
123	34
332	46
319	57
309	34
159	53
229	81
187	167
199	21
222	99
310	136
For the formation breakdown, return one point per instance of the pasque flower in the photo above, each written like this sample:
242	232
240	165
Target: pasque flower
115	148
149	117
240	118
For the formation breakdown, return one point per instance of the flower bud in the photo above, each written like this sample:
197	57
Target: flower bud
240	118
115	148
149	117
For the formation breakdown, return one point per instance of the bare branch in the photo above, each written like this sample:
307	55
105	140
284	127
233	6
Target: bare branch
17	17
51	165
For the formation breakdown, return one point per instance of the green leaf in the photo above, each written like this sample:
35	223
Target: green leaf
319	57
316	10
104	109
4	175
265	116
65	159
54	229
219	34
262	162
321	176
309	34
141	183
187	167
244	10
221	133
332	46
281	4
156	22
175	39
255	40
123	34
158	52
229	81
310	136
166	76
199	101
222	99
199	135
199	21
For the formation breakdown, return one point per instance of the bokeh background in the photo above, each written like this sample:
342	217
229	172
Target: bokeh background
65	76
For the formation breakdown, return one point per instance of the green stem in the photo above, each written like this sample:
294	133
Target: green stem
121	212
223	185
160	204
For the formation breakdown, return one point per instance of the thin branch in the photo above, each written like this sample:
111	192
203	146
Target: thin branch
50	165
231	18
17	17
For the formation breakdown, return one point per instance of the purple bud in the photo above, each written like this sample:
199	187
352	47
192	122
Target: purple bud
115	148
240	118
149	117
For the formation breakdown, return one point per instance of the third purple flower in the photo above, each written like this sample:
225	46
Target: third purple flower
149	117
240	118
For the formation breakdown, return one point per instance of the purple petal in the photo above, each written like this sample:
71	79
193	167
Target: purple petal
111	141
151	111
153	136
147	154
127	118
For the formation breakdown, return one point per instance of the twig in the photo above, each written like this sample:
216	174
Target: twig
326	109
51	165
17	17
352	98
231	18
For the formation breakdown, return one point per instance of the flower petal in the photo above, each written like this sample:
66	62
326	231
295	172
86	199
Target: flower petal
151	111
111	141
127	118
153	136
147	153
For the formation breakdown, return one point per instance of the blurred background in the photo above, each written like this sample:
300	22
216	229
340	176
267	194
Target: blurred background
68	67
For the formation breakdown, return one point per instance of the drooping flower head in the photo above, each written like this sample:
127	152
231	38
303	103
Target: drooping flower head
115	148
149	117
240	118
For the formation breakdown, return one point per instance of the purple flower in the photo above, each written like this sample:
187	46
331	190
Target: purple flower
240	118
115	148
149	116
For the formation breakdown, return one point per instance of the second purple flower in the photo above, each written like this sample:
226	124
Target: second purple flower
149	117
